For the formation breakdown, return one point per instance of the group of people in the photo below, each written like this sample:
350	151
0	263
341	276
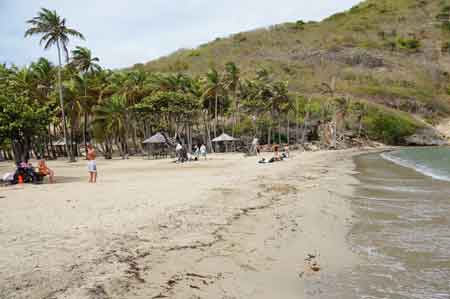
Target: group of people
183	155
277	156
25	172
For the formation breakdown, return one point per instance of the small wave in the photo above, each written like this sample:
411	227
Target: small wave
410	189
420	168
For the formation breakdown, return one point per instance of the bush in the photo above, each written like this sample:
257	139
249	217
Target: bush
445	47
300	25
408	43
388	126
194	53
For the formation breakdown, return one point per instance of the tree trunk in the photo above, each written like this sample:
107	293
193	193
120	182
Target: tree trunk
208	133
137	146
296	123
85	121
189	137
215	116
61	100
73	145
20	149
85	132
288	131
305	124
279	132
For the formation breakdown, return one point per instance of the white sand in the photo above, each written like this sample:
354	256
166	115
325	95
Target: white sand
224	228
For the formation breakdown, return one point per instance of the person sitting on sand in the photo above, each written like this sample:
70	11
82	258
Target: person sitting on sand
45	171
26	171
286	151
92	165
276	152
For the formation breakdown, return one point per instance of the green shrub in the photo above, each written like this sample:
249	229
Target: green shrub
388	126
299	25
194	53
445	48
408	43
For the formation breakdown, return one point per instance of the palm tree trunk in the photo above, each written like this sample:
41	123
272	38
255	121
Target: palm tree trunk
288	131
52	148
85	122
85	130
208	133
306	119
279	132
296	122
61	100
215	116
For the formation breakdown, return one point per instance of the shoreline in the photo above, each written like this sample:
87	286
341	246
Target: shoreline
225	228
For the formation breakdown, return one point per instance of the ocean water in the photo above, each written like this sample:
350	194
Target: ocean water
402	229
433	162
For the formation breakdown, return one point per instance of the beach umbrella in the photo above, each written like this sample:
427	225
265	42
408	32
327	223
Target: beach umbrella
158	138
224	137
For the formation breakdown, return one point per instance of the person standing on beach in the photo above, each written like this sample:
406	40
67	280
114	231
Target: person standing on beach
203	151
92	165
178	149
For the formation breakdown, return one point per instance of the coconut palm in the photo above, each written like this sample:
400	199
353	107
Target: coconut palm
82	59
111	122
44	73
54	31
213	88
232	82
84	62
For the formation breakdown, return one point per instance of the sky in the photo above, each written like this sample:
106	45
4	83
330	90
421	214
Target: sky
122	33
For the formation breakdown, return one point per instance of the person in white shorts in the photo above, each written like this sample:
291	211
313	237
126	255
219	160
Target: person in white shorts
92	165
203	151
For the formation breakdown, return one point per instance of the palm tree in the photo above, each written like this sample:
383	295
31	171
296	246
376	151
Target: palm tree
232	81
111	118
82	59
44	73
54	32
213	88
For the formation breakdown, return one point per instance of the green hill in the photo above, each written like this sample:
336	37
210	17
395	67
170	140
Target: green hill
392	52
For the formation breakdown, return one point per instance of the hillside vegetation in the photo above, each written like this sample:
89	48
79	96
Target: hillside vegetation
392	52
379	71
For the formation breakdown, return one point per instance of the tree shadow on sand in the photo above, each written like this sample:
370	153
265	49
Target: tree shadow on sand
64	180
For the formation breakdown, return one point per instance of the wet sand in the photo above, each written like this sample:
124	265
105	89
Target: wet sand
223	228
401	234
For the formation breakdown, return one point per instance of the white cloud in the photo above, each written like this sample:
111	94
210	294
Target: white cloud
122	33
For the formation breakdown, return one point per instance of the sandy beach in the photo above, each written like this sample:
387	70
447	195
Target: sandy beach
223	228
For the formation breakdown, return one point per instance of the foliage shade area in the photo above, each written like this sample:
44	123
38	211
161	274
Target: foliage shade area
368	69
118	109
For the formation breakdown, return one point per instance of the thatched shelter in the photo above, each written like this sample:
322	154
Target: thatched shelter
224	139
158	145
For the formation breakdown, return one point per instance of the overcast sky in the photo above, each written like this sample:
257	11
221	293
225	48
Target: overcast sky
122	33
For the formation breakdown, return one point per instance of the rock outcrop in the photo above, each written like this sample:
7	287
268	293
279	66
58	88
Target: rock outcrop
427	137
